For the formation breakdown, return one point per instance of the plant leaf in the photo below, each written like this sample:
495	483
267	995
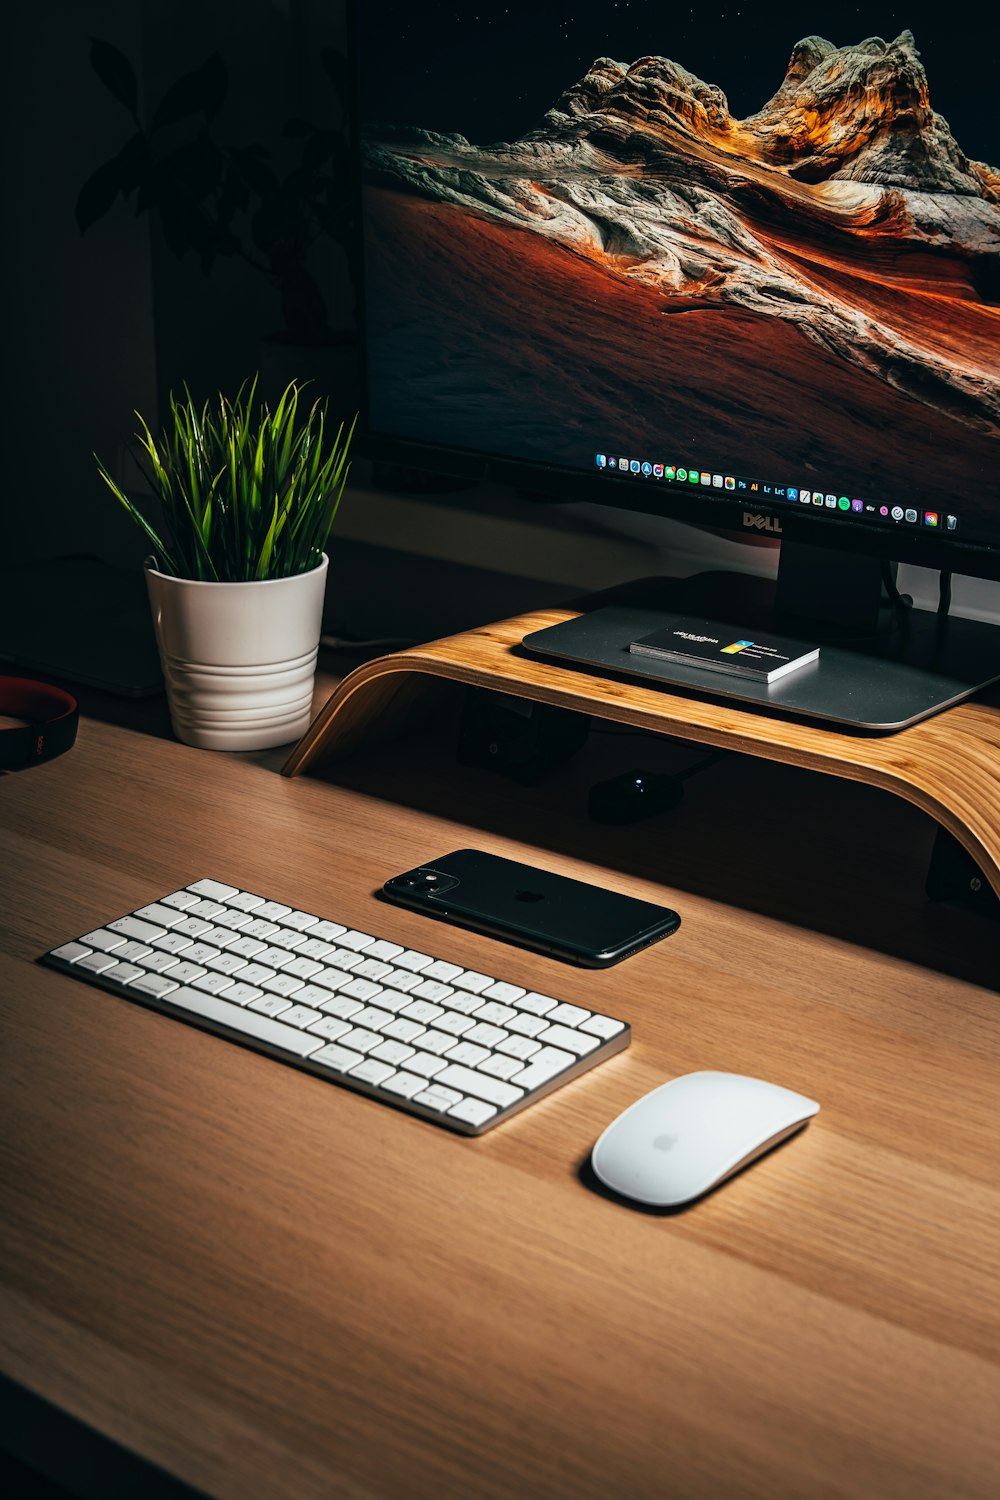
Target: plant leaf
116	73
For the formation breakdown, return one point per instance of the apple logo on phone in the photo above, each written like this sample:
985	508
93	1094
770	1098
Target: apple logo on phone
528	896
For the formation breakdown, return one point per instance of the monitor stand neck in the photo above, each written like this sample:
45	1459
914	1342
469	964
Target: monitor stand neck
824	586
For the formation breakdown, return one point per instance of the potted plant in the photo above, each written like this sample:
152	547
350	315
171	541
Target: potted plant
236	582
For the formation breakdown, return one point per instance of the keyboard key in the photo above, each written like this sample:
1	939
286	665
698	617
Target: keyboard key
461	1000
133	952
271	1005
362	1040
185	972
172	942
468	1054
432	989
191	926
567	1015
361	989
123	973
272	911
247	947
163	916
577	1042
236	920
214	889
227	963
282	984
332	1028
258	928
313	947
405	1084
370	968
242	994
212	983
456	1023
144	932
103	939
439	1042
423	1010
383	951
400	979
245	901
404	1030
475	983
156	985
373	1018
436	1098
506	993
537	1005
211	911
340	1005
356	940
408	959
180	900
303	968
480	1085
519	1046
483	1032
328	932
603	1026
527	1025
426	1064
393	1052
473	1111
302	921
342	1059
96	963
501	1067
157	962
301	1043
498	1014
439	969
543	1067
299	1015
371	1071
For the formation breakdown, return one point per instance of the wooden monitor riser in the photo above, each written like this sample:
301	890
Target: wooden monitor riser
947	765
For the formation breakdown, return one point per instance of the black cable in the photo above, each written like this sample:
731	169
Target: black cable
896	599
944	592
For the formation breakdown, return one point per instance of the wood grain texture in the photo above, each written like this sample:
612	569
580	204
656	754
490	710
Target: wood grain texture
947	765
274	1287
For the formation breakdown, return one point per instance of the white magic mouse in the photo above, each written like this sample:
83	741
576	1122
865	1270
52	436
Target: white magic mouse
692	1133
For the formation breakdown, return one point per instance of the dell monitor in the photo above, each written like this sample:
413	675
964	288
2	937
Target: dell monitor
709	264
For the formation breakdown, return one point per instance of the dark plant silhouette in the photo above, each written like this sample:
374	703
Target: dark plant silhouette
216	199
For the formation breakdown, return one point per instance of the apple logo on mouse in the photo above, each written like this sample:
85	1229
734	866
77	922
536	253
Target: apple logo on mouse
664	1141
528	896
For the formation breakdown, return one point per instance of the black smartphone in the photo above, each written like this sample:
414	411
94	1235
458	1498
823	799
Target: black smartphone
568	919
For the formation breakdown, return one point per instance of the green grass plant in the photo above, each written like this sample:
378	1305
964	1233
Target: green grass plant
246	493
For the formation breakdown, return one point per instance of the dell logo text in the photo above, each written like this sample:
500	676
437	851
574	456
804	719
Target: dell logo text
754	520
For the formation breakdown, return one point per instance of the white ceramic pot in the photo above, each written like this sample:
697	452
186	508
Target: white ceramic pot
239	659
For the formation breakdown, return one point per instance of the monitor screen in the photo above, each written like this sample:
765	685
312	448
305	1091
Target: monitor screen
694	254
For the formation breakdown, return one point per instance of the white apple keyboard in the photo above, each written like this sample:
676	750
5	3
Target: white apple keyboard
464	1049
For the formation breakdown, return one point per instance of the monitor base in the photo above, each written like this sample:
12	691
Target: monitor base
915	664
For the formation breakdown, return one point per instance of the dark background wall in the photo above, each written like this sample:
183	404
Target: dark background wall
99	324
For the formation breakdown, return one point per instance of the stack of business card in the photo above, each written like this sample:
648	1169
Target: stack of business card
759	655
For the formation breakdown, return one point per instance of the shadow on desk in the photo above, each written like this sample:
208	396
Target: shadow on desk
813	850
47	1455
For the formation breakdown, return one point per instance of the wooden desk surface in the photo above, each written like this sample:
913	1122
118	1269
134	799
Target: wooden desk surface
273	1287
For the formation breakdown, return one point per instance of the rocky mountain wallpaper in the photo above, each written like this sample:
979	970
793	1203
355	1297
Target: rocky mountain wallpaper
795	276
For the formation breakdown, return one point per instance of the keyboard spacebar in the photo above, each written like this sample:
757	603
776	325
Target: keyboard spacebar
288	1038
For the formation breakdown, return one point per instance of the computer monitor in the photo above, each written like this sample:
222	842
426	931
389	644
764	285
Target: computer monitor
734	267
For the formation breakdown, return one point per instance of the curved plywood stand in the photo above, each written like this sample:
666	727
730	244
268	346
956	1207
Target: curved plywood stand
947	765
